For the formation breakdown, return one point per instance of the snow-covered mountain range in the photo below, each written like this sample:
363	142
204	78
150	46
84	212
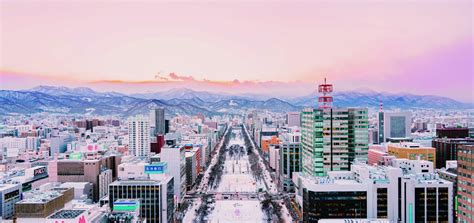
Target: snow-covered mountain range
186	101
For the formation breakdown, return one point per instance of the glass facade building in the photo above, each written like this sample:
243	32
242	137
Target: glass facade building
290	161
332	139
334	205
393	125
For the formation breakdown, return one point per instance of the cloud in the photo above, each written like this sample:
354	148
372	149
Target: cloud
174	76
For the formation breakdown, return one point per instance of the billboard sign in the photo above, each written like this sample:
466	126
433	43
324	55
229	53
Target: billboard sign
39	171
75	156
156	168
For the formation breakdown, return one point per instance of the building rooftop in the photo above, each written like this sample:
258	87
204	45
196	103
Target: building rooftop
40	197
66	214
450	171
409	145
7	186
139	182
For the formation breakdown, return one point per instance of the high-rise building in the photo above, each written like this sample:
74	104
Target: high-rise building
452	133
175	156
447	142
332	139
450	173
465	183
191	172
157	116
446	148
139	136
290	159
156	197
293	119
393	125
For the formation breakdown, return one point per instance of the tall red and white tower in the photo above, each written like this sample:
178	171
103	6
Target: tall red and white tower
325	99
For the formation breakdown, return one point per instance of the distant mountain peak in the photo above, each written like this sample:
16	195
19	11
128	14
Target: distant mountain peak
65	91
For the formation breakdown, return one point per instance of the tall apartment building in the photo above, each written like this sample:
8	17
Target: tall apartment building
290	159
139	136
156	197
157	116
393	125
465	183
332	139
191	171
175	156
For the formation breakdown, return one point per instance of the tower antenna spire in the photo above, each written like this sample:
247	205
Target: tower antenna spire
325	99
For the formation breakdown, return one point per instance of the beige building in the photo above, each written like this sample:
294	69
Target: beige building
412	151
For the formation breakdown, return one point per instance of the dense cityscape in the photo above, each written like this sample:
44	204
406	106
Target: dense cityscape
236	111
315	165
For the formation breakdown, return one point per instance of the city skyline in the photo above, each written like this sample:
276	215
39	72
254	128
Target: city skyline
236	111
283	48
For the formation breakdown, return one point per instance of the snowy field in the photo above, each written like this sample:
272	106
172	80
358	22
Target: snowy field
237	177
237	183
236	211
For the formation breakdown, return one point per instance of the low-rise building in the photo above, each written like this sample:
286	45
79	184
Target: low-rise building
156	197
42	202
412	151
10	194
408	191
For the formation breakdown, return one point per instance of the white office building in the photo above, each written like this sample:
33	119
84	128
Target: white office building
393	125
139	136
408	191
175	157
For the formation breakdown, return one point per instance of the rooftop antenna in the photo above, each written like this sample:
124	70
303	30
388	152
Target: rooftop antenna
325	100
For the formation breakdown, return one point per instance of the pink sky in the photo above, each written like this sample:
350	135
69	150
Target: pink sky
421	47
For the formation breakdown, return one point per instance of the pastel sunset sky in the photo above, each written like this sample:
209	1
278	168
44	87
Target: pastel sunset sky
268	47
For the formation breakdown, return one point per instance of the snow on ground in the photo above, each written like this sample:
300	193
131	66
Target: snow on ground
237	183
191	212
237	211
237	177
204	182
271	184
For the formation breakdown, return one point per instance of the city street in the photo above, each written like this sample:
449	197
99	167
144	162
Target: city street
237	198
